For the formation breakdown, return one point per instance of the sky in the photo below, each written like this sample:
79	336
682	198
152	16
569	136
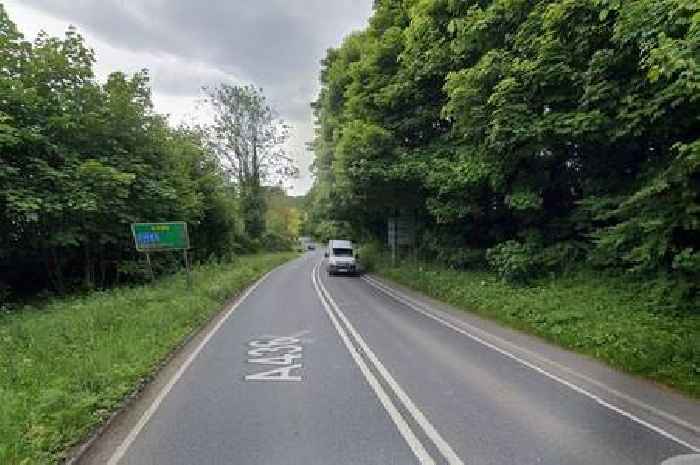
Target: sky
187	44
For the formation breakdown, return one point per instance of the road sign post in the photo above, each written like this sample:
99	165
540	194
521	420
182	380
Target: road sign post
400	233
163	237
150	267
188	268
391	239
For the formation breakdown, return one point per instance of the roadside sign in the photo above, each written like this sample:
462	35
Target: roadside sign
163	237
405	231
153	237
401	232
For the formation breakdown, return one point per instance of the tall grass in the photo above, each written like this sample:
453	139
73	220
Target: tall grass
65	366
612	318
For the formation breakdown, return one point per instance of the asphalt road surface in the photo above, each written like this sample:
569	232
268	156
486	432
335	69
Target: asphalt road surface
310	369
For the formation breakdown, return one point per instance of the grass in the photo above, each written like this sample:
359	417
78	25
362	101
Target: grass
610	318
64	367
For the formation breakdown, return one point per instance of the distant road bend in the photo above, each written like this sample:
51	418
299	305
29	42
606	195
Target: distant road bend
310	369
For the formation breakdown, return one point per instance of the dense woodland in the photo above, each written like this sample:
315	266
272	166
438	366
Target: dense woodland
528	134
81	159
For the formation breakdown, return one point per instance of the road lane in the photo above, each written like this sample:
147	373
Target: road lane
213	416
333	370
491	409
357	345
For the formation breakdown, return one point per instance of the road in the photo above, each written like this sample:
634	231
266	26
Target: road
310	369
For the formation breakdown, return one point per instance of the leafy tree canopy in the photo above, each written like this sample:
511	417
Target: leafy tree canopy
541	122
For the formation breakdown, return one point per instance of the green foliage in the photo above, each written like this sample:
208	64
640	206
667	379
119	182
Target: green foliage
563	256
326	230
522	262
80	160
371	255
273	242
657	227
67	365
444	248
249	137
515	262
615	319
283	213
489	119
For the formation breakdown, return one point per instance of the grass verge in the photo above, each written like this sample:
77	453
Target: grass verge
612	319
66	366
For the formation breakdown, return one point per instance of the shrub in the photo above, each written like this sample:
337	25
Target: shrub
274	242
451	251
513	261
462	258
562	255
370	255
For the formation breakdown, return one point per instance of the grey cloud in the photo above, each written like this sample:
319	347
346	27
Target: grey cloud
274	44
180	78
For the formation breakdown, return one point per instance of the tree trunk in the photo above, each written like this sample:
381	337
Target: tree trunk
56	272
256	167
117	275
89	281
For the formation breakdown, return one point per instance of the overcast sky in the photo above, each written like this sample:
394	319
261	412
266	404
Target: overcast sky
274	44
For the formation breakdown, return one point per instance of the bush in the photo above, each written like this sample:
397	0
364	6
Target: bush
275	242
462	258
520	262
370	255
513	261
562	255
449	250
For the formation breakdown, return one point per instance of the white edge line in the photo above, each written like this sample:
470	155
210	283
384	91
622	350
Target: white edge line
401	424
126	443
427	427
643	405
542	371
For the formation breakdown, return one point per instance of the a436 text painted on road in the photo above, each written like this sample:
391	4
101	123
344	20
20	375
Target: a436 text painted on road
284	352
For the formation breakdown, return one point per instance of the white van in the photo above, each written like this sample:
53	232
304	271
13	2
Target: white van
341	258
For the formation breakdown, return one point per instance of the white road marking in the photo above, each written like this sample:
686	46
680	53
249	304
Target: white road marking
126	443
401	424
285	359
420	309
428	428
278	374
693	459
273	342
262	351
267	349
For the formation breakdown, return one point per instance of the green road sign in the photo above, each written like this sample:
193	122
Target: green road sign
151	237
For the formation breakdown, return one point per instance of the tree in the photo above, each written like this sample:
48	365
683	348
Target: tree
80	160
551	126
249	138
282	216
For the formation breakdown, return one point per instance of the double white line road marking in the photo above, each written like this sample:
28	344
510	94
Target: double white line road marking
336	316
